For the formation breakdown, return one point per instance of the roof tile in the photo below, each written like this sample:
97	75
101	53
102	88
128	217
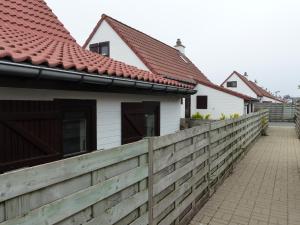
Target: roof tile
29	31
159	57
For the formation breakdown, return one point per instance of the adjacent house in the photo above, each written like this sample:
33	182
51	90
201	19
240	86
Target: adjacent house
240	83
59	100
113	38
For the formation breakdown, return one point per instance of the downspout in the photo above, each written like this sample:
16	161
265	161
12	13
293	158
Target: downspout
39	72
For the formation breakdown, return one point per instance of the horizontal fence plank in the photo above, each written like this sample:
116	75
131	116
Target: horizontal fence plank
13	184
166	202
163	141
121	210
183	205
63	208
142	220
173	157
177	174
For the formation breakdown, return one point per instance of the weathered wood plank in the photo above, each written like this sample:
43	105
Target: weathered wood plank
175	213
166	202
160	142
142	220
177	174
13	184
63	208
167	160
121	210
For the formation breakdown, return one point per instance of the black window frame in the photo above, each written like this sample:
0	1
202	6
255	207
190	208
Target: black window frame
201	101
231	84
104	44
97	48
89	108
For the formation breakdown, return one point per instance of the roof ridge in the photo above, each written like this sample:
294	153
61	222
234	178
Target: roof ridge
118	21
105	16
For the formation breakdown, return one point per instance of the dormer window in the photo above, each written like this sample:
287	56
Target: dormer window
101	48
232	84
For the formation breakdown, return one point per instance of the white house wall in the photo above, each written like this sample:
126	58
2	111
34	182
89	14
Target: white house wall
242	87
108	109
119	50
218	102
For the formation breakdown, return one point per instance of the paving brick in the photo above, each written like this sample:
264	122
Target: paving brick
264	188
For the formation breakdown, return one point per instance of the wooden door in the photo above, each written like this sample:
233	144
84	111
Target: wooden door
139	120
33	132
133	120
30	133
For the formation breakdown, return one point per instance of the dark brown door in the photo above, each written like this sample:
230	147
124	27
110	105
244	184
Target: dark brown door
188	107
140	120
36	132
30	133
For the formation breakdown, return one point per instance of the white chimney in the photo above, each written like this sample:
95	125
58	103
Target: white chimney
179	46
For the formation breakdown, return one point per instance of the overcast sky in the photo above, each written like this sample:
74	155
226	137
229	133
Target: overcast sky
260	37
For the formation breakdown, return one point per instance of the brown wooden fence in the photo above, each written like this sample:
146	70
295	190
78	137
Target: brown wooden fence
298	119
156	181
278	112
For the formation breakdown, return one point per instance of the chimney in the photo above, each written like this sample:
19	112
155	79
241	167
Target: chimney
245	74
179	46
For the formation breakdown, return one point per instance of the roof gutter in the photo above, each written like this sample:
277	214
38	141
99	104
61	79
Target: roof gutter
40	72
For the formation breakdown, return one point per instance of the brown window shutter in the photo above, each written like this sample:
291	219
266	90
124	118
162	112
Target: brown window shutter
94	47
201	102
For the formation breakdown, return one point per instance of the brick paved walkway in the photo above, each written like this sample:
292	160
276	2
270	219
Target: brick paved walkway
264	188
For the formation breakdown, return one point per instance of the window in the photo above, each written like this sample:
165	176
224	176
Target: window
74	133
201	102
232	84
101	48
78	126
150	124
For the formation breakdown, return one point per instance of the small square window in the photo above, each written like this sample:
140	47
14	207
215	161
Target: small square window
232	84
201	102
101	48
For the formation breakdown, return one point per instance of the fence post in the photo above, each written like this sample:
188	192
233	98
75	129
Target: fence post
150	180
209	160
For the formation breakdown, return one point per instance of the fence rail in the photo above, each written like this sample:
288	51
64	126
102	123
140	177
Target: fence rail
156	181
278	112
298	119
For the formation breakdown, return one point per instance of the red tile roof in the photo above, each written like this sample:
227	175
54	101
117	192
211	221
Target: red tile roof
30	32
259	91
159	57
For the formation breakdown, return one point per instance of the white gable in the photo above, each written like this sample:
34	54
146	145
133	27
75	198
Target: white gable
119	50
218	102
242	87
